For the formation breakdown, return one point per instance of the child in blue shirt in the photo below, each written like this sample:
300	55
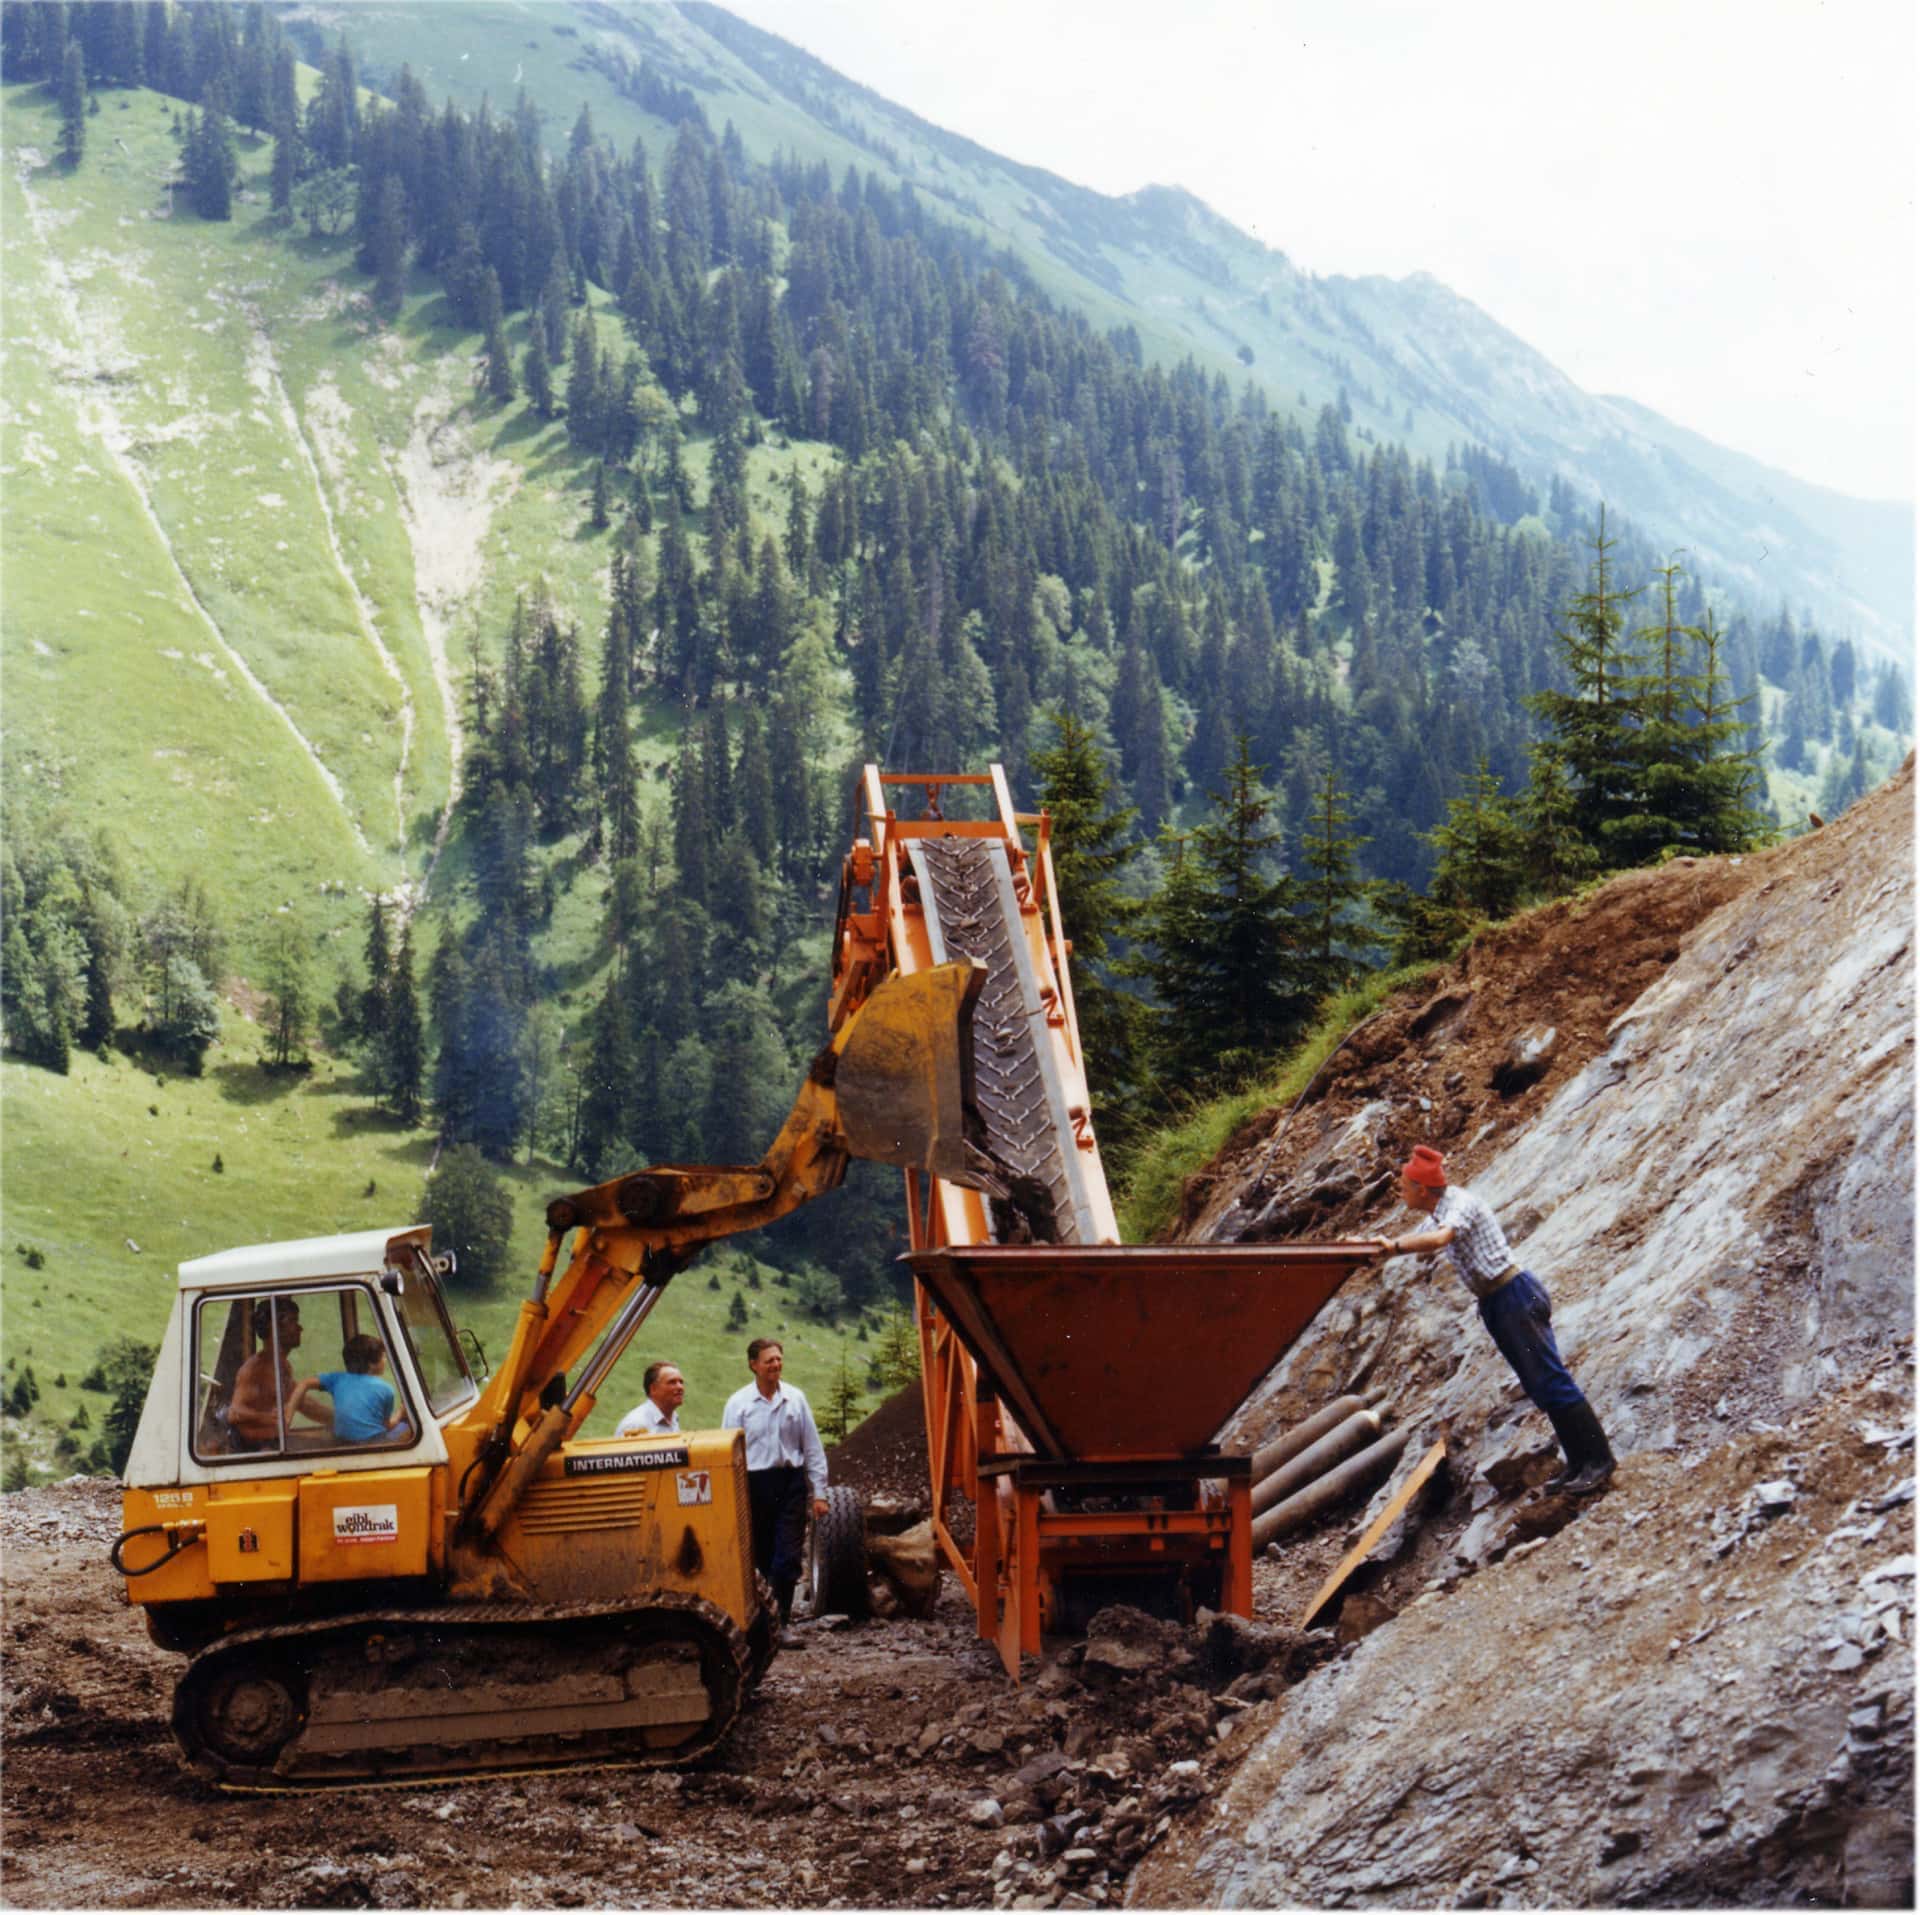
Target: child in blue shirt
365	1405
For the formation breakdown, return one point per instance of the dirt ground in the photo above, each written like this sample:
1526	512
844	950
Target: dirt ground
887	1764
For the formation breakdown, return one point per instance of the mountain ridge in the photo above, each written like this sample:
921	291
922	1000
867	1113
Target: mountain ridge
1845	562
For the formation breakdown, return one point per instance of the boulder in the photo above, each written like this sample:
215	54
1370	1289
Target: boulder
910	1564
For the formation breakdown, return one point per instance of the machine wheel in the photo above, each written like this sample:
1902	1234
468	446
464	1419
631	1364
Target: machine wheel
837	1561
244	1710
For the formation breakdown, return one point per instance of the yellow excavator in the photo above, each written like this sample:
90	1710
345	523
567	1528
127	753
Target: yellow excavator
461	1583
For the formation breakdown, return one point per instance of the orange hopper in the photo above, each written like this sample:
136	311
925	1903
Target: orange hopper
1073	1386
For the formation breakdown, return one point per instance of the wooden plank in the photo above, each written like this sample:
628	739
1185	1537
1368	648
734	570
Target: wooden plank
1358	1554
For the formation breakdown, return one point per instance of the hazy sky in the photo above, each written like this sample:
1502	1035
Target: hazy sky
1706	206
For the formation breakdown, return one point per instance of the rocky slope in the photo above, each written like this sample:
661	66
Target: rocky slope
1699	1688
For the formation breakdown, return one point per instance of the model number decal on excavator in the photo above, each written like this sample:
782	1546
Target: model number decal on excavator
367	1523
611	1462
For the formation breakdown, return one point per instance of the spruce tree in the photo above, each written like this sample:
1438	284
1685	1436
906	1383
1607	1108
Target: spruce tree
209	162
406	1046
606	1076
73	105
1224	952
1667	746
1331	888
583	387
286	162
1595	722
792	778
493	320
838	1415
1791	752
694	835
1092	844
289	995
376	998
1726	787
617	812
1481	865
1891	705
754	777
389	248
799	549
536	372
1557	856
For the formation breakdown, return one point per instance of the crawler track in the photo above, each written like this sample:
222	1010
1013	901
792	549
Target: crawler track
419	1695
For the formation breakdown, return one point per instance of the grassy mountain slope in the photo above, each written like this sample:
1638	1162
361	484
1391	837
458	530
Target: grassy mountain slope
247	557
276	657
110	1179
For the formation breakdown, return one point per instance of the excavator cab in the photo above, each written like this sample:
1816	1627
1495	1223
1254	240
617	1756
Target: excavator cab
240	1485
338	1328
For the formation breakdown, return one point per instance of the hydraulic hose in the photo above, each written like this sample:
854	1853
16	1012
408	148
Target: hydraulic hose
187	1541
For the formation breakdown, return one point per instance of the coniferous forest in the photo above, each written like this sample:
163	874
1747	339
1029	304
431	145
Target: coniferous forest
1300	703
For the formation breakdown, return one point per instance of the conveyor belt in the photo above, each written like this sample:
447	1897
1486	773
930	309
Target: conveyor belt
966	891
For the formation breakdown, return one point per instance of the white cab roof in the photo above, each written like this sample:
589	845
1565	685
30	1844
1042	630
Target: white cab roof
354	1253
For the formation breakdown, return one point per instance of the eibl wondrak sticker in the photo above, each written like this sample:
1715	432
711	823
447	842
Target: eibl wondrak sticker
367	1523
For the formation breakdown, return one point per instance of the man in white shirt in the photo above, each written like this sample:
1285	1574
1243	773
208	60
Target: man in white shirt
786	1462
659	1413
1514	1306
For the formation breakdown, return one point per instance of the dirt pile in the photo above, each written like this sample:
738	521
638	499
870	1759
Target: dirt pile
1437	1065
886	1454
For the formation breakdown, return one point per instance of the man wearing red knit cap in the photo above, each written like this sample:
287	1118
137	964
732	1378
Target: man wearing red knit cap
1513	1305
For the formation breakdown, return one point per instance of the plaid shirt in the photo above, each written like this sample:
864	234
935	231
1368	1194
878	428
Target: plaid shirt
1479	1247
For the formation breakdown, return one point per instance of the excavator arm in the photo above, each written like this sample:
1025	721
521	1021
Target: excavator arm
893	1086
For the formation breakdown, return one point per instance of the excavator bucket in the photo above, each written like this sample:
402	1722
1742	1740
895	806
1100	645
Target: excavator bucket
904	1079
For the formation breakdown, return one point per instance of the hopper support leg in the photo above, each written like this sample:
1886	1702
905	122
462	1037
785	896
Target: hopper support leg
1238	1595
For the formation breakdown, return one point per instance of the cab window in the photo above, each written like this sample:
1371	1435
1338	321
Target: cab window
308	1371
437	1355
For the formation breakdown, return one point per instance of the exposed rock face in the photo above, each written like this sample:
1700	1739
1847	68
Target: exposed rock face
1699	1689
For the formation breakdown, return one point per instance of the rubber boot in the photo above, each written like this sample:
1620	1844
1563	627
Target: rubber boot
1567	1429
1595	1454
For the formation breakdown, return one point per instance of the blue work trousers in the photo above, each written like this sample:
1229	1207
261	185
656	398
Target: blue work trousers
1519	1318
777	1499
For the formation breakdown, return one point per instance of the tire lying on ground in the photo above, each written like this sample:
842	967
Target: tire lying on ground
837	1559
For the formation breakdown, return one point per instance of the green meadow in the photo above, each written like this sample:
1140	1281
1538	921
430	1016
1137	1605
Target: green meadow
111	1180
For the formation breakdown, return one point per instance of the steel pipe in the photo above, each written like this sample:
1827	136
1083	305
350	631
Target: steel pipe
1283	1449
1356	1473
1313	1462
